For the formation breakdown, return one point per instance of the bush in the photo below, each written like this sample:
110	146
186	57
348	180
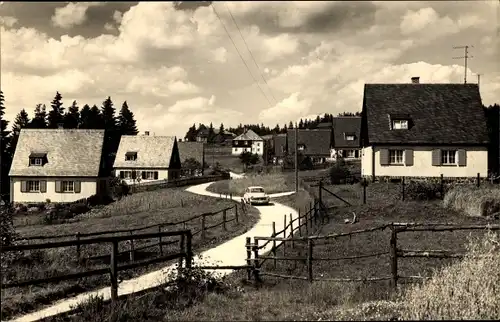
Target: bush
484	201
422	190
119	188
57	216
8	237
78	208
98	200
339	173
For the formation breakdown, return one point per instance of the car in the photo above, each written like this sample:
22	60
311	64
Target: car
255	195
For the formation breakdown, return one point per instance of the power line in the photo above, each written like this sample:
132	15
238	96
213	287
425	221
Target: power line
465	57
251	55
242	59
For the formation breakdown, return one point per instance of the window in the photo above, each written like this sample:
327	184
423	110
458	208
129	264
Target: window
301	147
448	157
149	175
33	186
351	153
349	137
400	124
131	156
126	174
258	149
396	156
68	186
36	161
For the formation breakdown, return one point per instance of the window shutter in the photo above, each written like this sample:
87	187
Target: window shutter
436	157
462	158
156	175
384	157
409	157
122	175
43	186
134	174
144	174
77	186
24	186
58	186
356	153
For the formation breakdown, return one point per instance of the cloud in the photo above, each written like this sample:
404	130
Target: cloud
289	108
425	20
109	27
193	105
220	54
8	21
73	14
117	16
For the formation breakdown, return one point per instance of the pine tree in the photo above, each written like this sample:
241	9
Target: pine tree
95	120
211	133
221	129
72	117
85	117
191	133
3	127
290	125
20	122
126	121
301	124
56	114
108	115
5	156
39	120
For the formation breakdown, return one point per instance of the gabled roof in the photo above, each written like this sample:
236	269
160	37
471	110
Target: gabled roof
317	142
343	126
152	151
324	125
279	145
189	150
74	152
440	113
248	135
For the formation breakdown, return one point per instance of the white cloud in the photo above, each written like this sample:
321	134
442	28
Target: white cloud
289	108
220	54
8	21
109	27
117	16
193	105
73	14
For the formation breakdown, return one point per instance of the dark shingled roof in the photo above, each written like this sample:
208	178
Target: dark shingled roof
439	113
189	150
346	125
279	141
317	142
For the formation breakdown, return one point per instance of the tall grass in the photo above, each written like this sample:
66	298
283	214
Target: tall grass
272	183
484	201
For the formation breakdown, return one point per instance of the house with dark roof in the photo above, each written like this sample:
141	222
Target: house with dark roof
248	141
423	130
346	133
145	158
280	148
192	150
315	143
60	165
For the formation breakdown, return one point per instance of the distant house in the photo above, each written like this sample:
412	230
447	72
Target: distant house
192	150
315	143
346	133
249	141
60	165
423	130
280	148
144	158
223	138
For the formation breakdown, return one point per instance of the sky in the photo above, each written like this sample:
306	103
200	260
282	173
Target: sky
179	63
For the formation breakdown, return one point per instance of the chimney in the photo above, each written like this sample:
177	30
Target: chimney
146	133
415	80
60	125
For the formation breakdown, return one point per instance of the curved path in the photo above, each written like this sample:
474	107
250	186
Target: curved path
232	253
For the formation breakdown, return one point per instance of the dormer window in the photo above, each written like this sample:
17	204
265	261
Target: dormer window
131	156
349	136
400	124
37	159
301	147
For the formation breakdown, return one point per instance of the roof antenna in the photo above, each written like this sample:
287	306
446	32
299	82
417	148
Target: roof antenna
465	57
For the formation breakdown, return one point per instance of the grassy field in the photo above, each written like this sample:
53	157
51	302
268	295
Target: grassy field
137	210
229	162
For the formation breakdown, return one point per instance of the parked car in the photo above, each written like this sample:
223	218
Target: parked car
255	195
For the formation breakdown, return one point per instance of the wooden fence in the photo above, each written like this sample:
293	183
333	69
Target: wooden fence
395	253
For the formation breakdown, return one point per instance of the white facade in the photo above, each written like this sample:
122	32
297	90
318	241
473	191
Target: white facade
476	162
346	153
257	147
40	189
151	175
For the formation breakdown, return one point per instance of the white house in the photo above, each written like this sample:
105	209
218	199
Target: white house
423	130
346	132
145	158
249	141
60	165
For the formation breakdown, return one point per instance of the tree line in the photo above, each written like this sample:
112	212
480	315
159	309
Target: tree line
71	118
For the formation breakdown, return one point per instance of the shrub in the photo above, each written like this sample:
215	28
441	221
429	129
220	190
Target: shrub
339	173
99	199
422	190
78	208
57	215
8	236
484	201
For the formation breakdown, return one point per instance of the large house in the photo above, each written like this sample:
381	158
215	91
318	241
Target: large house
248	141
423	130
192	150
315	144
57	165
346	132
145	158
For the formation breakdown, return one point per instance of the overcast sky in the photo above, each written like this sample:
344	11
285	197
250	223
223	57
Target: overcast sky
175	63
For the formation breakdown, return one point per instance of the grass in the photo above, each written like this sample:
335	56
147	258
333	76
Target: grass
479	202
229	162
134	211
272	183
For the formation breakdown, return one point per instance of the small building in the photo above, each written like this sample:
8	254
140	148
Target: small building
192	150
315	144
223	138
280	148
249	141
423	130
57	165
346	133
145	158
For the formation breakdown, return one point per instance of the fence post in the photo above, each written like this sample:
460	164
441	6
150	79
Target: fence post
202	226
478	179
256	260
307	222
310	260
284	235
248	246
113	270
189	249
403	188
182	249
320	190
315	214
236	213
300	224
394	258
224	218
274	243
364	191
132	251
78	250
160	241
441	186
231	196
291	230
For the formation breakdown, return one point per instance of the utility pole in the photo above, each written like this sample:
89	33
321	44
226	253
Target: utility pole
478	79
465	57
296	158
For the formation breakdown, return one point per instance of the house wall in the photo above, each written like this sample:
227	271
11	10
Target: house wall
335	153
477	162
88	188
163	174
257	147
